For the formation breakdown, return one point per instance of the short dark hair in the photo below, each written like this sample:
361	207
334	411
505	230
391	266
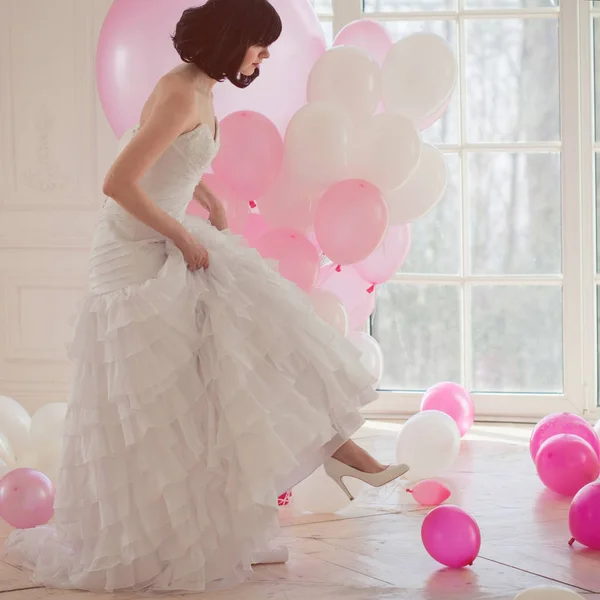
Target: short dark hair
216	36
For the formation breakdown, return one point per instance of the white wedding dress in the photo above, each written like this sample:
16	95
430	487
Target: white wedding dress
197	399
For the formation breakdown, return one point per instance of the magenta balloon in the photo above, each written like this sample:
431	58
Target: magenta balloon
451	536
250	154
351	221
26	498
430	492
135	50
562	423
454	400
385	262
370	36
298	258
566	463
584	516
256	227
350	288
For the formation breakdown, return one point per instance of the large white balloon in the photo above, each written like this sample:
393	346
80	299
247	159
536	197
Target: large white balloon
47	426
371	353
429	443
15	423
348	78
422	192
385	150
548	593
316	144
330	308
418	75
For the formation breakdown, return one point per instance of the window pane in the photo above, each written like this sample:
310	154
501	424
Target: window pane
515	213
495	4
418	327
328	30
517	339
446	130
596	34
436	240
323	7
512	80
406	5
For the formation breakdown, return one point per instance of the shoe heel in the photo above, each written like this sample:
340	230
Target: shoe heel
344	488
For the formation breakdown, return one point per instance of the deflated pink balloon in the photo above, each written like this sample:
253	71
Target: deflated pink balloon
135	50
26	498
298	258
250	154
370	36
385	262
584	516
430	492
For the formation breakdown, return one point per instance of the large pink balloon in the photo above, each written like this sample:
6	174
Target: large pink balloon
451	536
237	212
370	36
566	463
584	516
26	498
250	154
350	288
384	263
453	400
256	227
430	492
562	423
135	50
298	258
351	221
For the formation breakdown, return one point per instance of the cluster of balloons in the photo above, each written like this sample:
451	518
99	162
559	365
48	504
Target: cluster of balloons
30	450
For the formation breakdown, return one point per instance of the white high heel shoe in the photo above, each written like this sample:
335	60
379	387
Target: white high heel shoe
275	555
338	470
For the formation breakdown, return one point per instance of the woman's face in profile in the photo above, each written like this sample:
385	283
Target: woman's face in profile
255	55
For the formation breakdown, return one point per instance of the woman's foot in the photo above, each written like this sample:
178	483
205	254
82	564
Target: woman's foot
356	457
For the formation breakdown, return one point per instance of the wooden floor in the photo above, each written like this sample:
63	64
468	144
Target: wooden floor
373	550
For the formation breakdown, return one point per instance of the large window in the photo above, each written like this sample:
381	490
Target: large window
495	293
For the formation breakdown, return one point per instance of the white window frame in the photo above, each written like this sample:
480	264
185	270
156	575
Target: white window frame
579	278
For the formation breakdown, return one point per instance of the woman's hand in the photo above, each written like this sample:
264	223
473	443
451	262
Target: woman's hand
194	253
218	217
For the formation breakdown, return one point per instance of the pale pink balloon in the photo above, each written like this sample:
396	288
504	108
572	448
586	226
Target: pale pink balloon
454	400
330	308
237	212
351	221
250	154
370	36
256	227
385	262
26	498
584	516
430	492
135	51
566	463
562	423
350	288
297	257
435	116
451	536
195	209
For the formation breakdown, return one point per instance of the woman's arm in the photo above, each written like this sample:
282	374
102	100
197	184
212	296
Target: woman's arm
216	209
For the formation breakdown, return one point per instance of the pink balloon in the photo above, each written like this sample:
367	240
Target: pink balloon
250	154
435	116
451	536
385	262
584	516
298	259
26	498
256	227
330	308
453	400
350	288
237	213
135	51
430	492
351	221
370	36
562	423
566	463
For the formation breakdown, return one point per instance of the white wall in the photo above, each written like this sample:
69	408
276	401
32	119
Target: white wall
55	147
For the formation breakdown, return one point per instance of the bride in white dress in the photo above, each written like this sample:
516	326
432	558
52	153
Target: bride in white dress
205	385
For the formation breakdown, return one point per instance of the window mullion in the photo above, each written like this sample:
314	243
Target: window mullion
345	12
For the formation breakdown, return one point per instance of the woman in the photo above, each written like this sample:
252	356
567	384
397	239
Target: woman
205	385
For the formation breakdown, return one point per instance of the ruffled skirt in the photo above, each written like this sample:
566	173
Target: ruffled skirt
198	398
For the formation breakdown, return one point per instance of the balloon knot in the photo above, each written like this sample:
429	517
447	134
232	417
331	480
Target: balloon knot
409	491
252	204
339	268
571	541
371	289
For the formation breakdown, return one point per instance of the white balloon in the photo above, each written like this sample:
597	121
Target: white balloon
316	144
4	468
429	444
385	151
330	308
548	593
15	423
348	78
320	494
371	353
418	74
47	426
423	191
